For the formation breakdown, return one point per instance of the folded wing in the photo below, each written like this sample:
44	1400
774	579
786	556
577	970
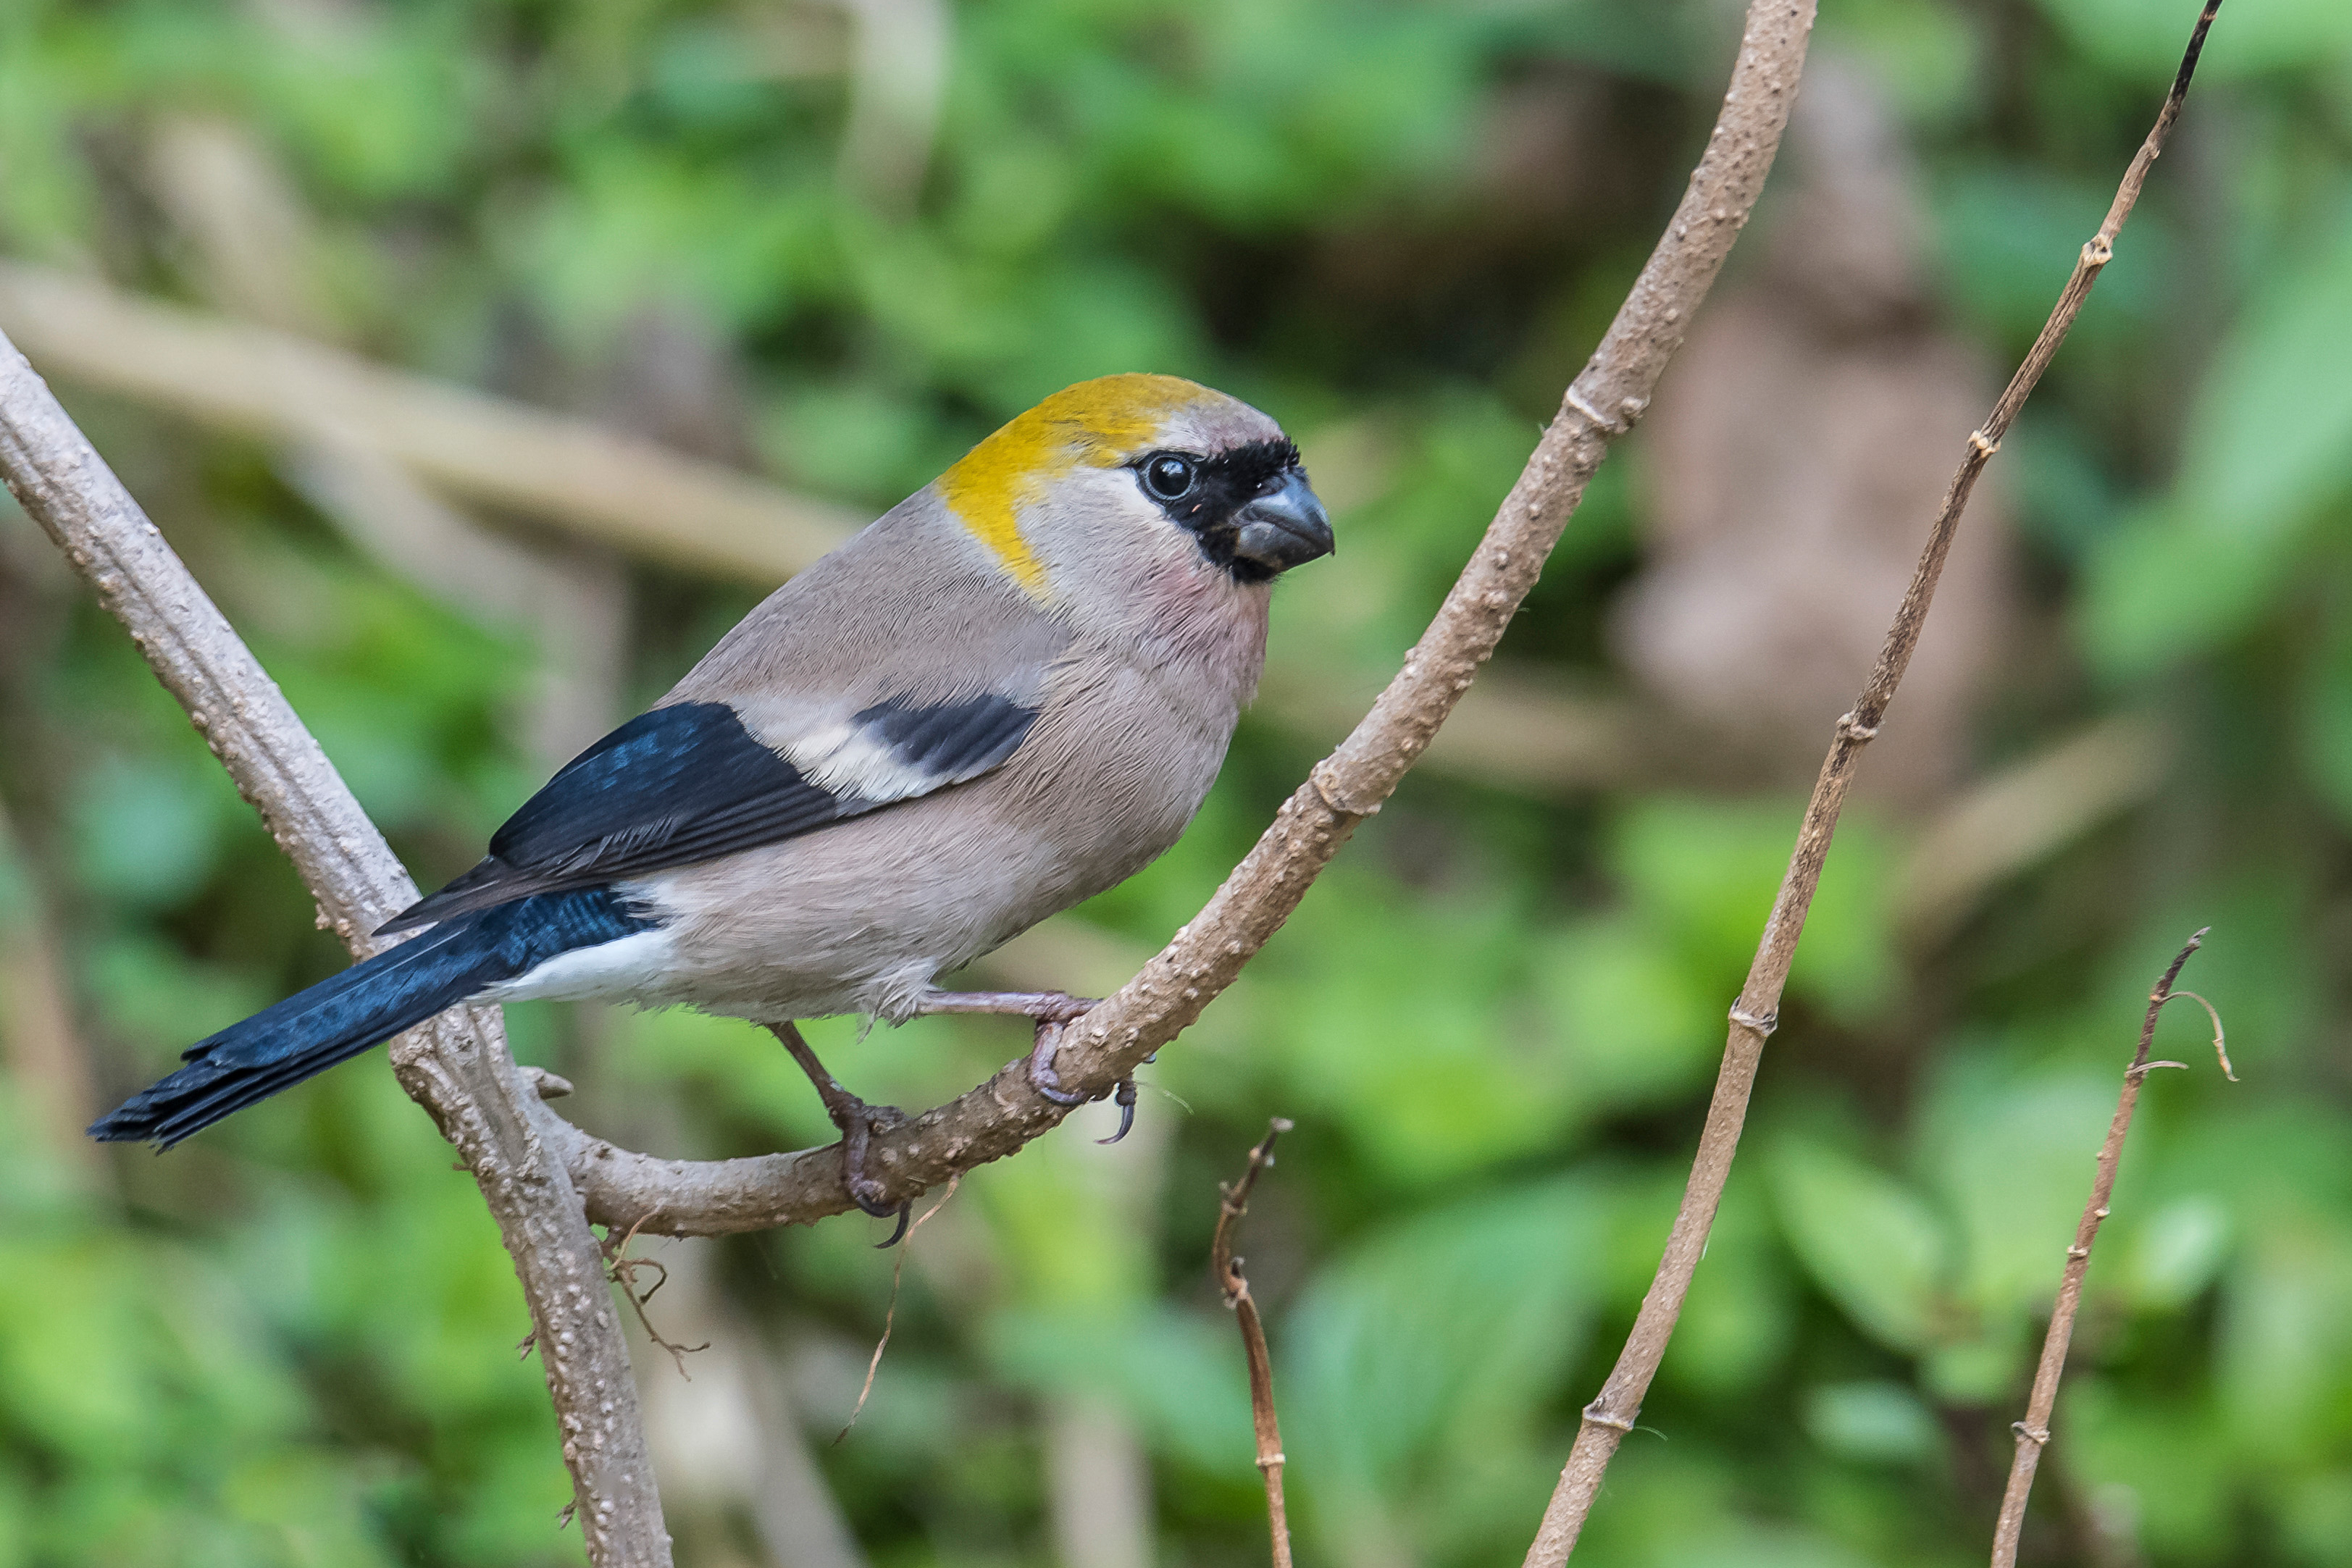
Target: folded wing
691	783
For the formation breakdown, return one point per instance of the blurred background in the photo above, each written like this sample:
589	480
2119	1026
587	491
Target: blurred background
487	358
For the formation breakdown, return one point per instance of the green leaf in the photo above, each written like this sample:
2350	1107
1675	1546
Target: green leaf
2162	587
1879	1423
2285	1353
1868	1240
2011	1156
2170	1258
2271	435
2269	441
1451	1326
1704	872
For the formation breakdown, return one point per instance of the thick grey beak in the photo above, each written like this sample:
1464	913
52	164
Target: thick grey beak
1286	529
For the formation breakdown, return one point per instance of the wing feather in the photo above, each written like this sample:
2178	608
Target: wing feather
689	782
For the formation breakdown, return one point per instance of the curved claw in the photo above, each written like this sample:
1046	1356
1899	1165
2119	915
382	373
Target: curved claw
1042	1075
898	1235
857	1136
1124	1097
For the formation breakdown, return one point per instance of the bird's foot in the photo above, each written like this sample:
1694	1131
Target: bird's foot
1051	1011
857	1123
1048	1082
1041	1066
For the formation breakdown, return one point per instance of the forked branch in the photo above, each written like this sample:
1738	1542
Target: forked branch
457	1066
1757	1012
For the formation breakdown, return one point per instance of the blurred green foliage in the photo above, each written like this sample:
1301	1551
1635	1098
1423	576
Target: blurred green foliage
1496	1020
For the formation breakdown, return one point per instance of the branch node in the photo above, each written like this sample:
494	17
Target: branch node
1982	444
2037	1435
546	1084
1594	1415
1851	728
1761	1025
1632	407
1328	793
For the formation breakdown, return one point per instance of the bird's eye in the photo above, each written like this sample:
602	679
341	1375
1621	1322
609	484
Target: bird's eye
1169	477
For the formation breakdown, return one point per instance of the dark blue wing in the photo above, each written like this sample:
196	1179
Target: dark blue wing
689	782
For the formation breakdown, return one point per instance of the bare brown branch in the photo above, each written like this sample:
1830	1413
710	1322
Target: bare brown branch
1755	1015
456	1067
1226	1269
2033	1432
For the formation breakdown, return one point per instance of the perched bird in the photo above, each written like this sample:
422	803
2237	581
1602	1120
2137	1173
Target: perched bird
1006	694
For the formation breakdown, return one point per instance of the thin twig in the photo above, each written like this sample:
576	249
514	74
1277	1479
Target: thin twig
1226	1269
2221	1040
1756	1013
1120	1033
890	1313
2033	1432
622	1269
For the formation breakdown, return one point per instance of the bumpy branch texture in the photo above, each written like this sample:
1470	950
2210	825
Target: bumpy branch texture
683	1198
456	1067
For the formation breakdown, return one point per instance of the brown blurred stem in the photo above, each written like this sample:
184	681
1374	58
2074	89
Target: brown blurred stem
1227	1270
603	485
2033	1432
47	1061
1753	1017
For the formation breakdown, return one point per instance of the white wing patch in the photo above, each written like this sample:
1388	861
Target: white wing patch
848	759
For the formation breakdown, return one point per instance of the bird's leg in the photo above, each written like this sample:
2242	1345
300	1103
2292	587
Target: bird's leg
858	1122
1050	1010
1045	1007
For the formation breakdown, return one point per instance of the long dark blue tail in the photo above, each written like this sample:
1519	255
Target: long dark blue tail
337	1018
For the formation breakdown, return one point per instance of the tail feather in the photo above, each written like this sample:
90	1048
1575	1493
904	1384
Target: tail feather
368	1003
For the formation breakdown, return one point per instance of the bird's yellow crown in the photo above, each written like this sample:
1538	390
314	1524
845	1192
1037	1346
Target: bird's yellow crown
1101	422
